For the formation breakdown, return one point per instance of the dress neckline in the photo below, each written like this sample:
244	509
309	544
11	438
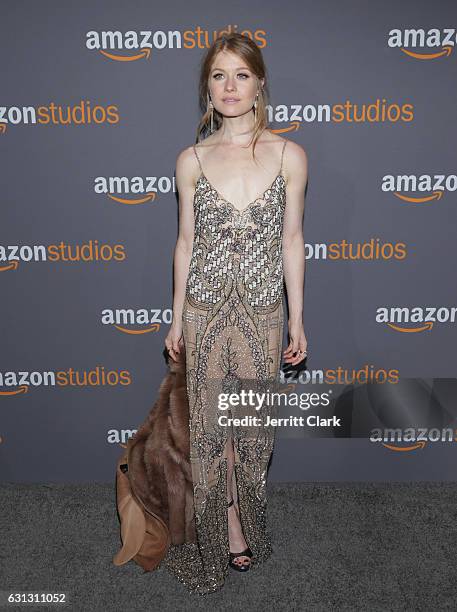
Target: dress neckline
245	208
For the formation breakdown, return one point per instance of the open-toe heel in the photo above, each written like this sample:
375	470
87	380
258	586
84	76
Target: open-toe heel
246	565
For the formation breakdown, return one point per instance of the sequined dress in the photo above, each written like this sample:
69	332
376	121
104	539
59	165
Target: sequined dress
233	332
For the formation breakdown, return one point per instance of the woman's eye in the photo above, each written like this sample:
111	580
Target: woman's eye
215	76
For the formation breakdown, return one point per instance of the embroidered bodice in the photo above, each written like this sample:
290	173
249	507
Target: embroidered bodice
237	249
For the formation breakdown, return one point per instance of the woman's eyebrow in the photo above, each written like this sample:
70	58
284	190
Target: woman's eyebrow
239	68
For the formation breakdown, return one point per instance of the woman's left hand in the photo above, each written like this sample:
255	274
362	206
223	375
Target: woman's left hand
297	344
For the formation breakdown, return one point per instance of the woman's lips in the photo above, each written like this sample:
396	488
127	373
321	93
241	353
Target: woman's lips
230	101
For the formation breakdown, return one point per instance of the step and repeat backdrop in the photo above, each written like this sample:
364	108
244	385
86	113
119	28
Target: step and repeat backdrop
97	100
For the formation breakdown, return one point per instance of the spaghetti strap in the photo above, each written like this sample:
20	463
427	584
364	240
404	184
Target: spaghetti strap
282	155
198	159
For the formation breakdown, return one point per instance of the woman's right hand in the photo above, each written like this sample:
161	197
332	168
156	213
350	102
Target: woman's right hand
174	341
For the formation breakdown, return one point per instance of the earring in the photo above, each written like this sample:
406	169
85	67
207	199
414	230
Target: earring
210	104
255	107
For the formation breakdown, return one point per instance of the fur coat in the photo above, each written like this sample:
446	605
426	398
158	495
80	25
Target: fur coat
154	479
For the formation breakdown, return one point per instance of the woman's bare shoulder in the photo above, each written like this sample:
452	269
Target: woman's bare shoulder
295	151
295	162
186	155
187	169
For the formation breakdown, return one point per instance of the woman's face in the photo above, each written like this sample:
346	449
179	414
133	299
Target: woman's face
232	86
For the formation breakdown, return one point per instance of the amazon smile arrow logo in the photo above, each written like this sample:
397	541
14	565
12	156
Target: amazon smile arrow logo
436	195
13	265
21	389
143	54
447	50
425	327
153	328
404	448
293	126
148	198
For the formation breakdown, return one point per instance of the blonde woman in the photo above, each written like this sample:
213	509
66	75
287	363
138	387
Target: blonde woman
241	202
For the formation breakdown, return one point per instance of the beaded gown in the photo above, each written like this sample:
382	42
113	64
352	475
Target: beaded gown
233	332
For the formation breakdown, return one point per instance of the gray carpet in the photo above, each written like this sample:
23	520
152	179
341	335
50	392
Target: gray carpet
354	546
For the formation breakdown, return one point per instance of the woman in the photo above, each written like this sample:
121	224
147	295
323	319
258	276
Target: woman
238	241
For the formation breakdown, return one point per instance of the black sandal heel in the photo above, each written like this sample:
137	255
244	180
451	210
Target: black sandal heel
245	553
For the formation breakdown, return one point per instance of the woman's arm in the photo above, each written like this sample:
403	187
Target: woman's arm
296	163
185	183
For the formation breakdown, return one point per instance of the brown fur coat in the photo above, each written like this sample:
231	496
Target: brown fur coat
154	479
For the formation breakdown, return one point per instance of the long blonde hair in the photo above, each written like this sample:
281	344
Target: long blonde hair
248	51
